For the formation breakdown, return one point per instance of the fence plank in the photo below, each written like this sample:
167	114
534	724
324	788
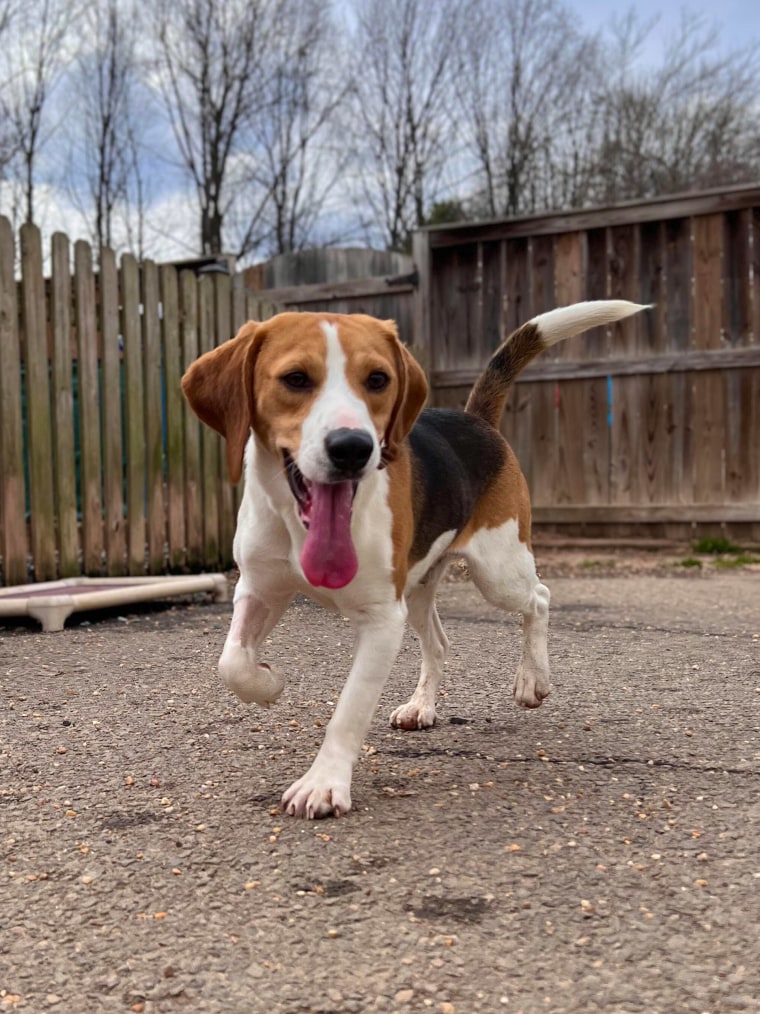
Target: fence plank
191	425
175	449
89	410
571	395
737	287
519	306
238	304
678	327
709	405
63	409
455	297
651	287
227	513
134	414
421	337
596	417
110	410
153	392
624	394
13	535
39	433
542	274
516	425
545	400
753	453
210	441
569	285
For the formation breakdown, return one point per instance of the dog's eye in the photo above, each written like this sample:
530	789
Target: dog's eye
297	381
377	381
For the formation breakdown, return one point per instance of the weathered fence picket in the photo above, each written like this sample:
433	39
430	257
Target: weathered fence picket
104	470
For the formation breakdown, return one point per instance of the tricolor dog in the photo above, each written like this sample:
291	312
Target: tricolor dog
357	497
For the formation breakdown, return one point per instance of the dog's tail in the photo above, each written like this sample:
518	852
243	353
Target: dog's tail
489	395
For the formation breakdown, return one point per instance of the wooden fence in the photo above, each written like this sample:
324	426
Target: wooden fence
378	282
655	421
103	467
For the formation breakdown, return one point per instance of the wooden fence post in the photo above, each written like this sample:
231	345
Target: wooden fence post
175	449
421	339
89	410
153	388
191	424
112	382
224	329
39	432
13	540
134	414
63	409
210	441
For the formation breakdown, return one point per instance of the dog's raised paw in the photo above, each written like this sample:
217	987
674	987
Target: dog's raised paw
253	682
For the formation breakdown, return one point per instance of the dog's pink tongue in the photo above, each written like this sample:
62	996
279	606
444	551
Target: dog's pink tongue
328	556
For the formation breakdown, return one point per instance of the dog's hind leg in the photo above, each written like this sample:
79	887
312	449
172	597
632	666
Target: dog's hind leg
503	569
419	711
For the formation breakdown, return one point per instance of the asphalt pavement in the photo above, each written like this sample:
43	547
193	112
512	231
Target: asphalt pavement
598	854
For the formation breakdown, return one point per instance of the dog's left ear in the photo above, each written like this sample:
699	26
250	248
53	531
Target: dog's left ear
411	397
219	388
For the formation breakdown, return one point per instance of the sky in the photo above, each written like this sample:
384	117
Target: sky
172	222
738	20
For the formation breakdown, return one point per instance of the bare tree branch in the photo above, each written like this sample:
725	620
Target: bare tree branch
36	59
211	53
403	106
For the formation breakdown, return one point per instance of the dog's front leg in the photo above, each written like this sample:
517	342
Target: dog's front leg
239	667
326	786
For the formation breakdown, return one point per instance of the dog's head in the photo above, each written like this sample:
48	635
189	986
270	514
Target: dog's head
332	396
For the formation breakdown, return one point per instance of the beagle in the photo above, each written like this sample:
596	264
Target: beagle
357	497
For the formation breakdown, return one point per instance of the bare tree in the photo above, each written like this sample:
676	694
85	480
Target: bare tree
403	107
687	122
36	59
525	72
105	85
6	133
292	163
210	58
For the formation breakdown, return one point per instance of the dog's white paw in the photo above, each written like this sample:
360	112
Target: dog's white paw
323	791
252	681
412	716
530	688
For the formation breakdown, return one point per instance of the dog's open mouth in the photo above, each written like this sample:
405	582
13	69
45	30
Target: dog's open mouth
328	556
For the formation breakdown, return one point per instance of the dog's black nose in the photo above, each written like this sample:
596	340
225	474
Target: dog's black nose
349	450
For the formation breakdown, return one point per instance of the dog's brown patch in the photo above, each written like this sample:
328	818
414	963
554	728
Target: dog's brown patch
505	498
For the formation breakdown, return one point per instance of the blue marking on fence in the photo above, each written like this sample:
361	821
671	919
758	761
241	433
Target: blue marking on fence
609	402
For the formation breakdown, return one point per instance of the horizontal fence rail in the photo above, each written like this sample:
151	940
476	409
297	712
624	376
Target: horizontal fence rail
655	420
379	283
104	470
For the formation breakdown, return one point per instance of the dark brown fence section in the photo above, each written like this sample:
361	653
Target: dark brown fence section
655	420
103	467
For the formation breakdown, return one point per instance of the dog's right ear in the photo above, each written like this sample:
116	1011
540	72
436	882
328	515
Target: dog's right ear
219	388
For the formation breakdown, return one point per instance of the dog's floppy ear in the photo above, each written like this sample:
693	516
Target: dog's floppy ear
412	393
219	388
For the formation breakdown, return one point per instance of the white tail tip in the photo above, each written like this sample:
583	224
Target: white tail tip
566	321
